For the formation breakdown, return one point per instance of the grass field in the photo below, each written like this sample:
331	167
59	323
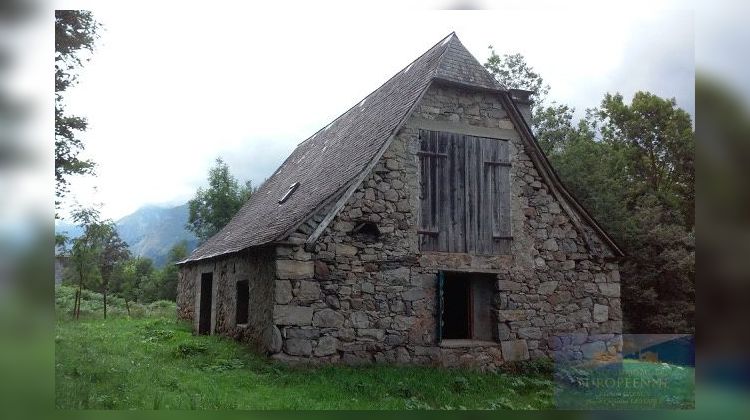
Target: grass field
148	360
151	361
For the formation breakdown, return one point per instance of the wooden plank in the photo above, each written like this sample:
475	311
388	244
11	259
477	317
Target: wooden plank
443	204
424	190
432	154
434	191
458	178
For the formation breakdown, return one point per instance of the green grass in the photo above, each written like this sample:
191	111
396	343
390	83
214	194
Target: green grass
152	361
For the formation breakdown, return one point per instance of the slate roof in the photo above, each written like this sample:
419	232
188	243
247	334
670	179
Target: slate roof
330	159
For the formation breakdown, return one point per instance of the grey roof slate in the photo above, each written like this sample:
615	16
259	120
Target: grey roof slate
330	159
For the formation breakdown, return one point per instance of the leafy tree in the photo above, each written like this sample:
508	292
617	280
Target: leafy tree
659	139
513	72
213	207
75	34
96	254
169	274
632	166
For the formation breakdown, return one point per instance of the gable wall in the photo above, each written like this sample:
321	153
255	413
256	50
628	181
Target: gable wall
358	301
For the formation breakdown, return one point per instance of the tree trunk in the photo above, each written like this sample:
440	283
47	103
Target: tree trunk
75	303
127	307
105	303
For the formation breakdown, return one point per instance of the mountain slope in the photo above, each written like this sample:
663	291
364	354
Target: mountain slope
150	231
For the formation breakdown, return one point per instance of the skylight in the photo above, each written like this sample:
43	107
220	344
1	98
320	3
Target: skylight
292	189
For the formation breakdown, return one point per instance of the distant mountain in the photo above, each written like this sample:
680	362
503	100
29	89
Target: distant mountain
150	231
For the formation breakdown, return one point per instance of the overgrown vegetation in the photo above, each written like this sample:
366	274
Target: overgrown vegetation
632	166
151	361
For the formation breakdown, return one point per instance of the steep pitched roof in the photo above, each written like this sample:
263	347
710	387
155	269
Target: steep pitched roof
329	162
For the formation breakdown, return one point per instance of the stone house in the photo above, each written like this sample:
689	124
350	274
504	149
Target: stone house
424	225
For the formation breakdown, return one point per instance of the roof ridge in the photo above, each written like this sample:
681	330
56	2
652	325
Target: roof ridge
452	34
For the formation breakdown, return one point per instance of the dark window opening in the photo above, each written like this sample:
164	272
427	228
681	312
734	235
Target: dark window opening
367	230
243	297
204	312
466	306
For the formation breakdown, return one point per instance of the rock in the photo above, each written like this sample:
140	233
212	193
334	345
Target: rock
377	334
283	292
601	313
610	289
534	333
273	339
345	250
297	347
403	323
550	245
322	272
507	285
391	195
326	346
515	350
547	287
592	350
398	275
308	290
360	319
511	315
327	318
368	287
292	315
503	331
413	294
291	269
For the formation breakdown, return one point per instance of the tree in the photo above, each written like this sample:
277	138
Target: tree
170	271
212	208
660	140
513	72
75	34
96	254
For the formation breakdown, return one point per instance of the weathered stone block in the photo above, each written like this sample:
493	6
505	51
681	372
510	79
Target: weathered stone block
374	333
601	313
291	269
308	290
507	285
547	287
610	289
283	292
511	315
297	347
534	333
360	319
292	315
327	318
514	350
346	250
326	346
413	294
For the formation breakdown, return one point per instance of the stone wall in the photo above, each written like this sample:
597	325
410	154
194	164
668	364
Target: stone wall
358	299
257	267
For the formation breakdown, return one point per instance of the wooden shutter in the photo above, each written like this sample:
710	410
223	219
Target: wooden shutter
464	193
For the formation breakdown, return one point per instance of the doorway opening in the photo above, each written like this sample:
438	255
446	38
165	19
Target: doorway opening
466	310
204	316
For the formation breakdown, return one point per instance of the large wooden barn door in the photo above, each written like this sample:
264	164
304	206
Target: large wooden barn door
464	193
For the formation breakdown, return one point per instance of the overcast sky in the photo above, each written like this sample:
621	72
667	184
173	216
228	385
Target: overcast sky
171	88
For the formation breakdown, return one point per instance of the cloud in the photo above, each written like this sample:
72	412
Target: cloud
170	90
